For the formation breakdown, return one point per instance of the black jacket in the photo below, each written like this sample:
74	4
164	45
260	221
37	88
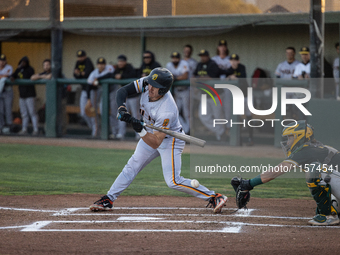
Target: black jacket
146	69
240	72
127	72
26	72
84	66
209	69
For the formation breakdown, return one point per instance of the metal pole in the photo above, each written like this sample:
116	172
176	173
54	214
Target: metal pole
316	28
53	105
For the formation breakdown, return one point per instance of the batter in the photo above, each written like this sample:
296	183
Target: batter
158	108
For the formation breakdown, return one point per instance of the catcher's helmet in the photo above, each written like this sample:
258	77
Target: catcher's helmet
294	136
160	78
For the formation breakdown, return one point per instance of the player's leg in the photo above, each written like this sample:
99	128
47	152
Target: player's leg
82	104
185	100
118	127
24	115
171	156
2	112
94	102
227	108
142	156
213	112
8	100
30	102
335	184
321	193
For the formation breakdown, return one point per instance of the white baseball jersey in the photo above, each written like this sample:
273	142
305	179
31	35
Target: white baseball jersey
336	70
223	63
286	70
161	113
181	68
300	68
192	66
7	70
95	73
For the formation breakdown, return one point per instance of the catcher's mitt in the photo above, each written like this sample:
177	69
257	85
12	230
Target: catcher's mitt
90	111
241	188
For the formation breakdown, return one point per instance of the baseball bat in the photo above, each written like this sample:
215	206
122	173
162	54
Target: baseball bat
184	137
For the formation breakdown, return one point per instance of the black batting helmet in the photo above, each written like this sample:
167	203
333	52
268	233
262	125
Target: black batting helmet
160	78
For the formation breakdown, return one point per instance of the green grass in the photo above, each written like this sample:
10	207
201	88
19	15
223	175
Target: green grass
35	169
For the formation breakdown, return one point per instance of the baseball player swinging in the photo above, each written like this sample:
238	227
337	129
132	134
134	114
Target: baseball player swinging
158	108
320	164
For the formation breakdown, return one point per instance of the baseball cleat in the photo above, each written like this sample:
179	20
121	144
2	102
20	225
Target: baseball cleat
217	202
323	220
103	204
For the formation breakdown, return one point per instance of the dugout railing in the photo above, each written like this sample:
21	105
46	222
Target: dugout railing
53	98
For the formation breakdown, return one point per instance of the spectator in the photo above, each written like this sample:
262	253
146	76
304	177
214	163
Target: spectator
180	70
207	68
82	70
93	93
46	74
237	71
27	96
302	70
6	94
124	70
187	51
285	69
336	71
61	117
222	58
148	64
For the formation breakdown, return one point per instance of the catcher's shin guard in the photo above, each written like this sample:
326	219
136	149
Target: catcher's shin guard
320	190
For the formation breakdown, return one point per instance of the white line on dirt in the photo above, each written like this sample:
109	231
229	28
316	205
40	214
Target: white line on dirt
36	226
187	214
231	227
225	230
27	210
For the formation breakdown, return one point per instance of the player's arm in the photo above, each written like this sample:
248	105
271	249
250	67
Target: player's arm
154	140
277	171
122	93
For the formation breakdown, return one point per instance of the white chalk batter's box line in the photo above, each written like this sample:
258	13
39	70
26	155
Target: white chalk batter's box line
239	213
225	226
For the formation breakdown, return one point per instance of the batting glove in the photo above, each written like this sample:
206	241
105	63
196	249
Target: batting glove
138	126
123	114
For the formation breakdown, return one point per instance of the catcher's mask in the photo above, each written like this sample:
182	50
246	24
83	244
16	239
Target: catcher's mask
295	135
160	78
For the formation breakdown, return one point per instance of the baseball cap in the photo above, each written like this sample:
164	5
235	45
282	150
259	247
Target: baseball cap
175	54
3	57
203	53
81	53
234	56
222	42
101	60
304	50
122	57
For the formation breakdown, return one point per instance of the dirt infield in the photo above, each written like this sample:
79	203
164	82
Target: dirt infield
60	224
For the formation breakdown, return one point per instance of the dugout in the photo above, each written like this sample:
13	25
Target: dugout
259	39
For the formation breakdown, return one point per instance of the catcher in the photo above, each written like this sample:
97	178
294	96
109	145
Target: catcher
320	164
